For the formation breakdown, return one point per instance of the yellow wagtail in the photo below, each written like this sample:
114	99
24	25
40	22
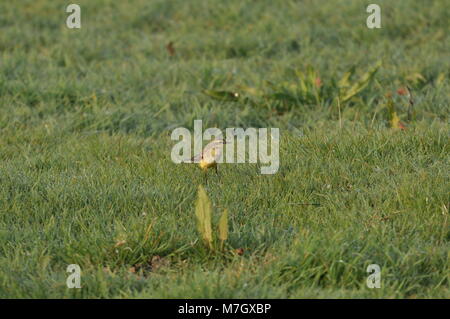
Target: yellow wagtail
210	155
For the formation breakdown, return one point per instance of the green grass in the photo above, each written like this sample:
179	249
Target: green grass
85	123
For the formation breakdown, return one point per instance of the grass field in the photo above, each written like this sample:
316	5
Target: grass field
85	171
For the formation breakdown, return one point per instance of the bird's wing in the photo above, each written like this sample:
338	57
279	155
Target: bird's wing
196	158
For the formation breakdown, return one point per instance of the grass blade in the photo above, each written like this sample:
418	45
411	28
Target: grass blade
223	226
203	214
361	84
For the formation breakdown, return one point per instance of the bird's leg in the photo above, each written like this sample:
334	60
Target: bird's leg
217	171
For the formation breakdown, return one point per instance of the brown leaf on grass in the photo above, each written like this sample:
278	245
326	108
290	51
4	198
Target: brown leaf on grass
120	243
401	126
170	48
318	82
239	251
402	91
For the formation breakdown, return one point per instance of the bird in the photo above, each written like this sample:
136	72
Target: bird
209	156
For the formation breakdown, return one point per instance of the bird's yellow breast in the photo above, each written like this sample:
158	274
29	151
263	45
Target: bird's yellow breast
208	160
205	165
